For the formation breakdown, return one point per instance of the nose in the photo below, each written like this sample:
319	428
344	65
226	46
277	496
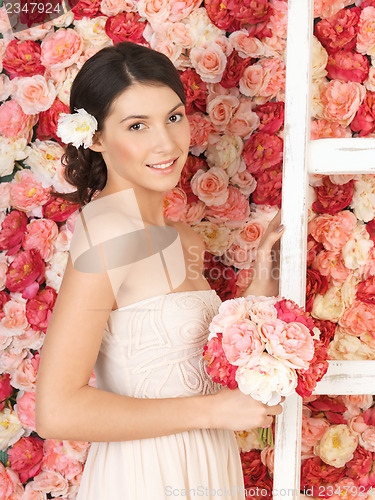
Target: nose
163	140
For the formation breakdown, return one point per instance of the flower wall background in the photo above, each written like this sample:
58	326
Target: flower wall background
231	58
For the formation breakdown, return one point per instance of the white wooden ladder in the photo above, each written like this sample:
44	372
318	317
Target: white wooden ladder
302	156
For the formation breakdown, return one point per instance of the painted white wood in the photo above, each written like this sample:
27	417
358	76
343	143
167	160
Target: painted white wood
348	377
342	156
286	479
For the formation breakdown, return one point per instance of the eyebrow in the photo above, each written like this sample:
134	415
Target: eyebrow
144	117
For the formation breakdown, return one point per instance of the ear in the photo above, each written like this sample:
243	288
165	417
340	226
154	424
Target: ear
97	143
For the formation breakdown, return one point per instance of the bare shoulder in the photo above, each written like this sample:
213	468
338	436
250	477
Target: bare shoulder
192	237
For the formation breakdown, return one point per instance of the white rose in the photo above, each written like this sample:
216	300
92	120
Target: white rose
349	290
266	379
317	107
344	346
63	88
55	269
319	60
11	150
11	429
225	152
337	445
363	202
201	27
356	251
93	32
328	306
44	158
217	237
77	128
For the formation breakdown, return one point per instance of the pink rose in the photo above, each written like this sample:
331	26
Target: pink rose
331	264
366	290
234	211
271	115
26	410
348	66
339	31
239	256
22	58
195	212
125	26
342	100
244	277
252	80
195	91
313	430
290	342
243	121
58	459
39	309
14	122
367	438
33	93
333	231
10	486
26	193
25	273
12	230
14	318
5	389
211	186
200	130
364	120
209	62
155	11
218	367
242	342
61	48
174	204
49	481
331	197
182	8
269	183
244	181
41	235
24	377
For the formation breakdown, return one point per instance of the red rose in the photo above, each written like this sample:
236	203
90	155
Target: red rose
47	124
348	66
315	283
29	17
360	464
367	3
332	197
261	490
234	69
369	416
339	32
58	209
219	368
6	389
4	297
307	379
370	227
26	271
289	311
195	91
364	120
313	248
221	15
331	406
85	8
22	58
39	309
254	14
271	115
315	473
12	230
26	457
366	290
268	190
220	277
192	165
262	151
252	467
125	26
327	330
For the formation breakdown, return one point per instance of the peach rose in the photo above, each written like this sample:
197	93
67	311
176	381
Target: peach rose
234	211
25	193
209	62
34	94
230	311
252	80
194	213
313	430
358	318
182	8
174	204
243	121
179	33
328	8
292	342
342	100
24	377
200	130
211	186
14	322
322	129
366	32
14	122
239	256
333	231
155	11
246	45
367	438
220	110
331	264
244	181
111	7
49	481
10	486
251	232
61	48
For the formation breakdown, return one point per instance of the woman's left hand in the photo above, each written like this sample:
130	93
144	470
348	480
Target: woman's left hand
266	268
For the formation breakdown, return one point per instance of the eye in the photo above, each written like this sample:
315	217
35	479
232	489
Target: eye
136	126
176	118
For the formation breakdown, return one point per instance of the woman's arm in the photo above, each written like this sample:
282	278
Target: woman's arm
266	269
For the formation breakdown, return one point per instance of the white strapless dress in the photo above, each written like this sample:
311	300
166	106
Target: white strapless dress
153	349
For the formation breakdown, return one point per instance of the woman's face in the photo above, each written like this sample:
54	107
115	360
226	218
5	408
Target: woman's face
147	128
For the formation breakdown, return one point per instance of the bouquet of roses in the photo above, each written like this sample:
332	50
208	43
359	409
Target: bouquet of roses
268	347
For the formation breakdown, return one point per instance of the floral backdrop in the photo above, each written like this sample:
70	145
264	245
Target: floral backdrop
231	58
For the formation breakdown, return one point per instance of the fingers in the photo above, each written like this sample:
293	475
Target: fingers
275	410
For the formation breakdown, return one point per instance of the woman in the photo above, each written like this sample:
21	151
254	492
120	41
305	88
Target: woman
134	304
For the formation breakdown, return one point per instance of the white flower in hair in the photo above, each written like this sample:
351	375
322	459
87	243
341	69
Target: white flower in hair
77	128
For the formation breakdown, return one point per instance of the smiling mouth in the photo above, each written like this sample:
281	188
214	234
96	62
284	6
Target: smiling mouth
163	166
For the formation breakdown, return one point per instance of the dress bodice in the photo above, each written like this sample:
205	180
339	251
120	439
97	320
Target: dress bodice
154	348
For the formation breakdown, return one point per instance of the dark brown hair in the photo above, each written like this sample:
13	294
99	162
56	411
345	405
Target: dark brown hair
96	86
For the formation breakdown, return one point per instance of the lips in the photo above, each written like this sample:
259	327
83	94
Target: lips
171	160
